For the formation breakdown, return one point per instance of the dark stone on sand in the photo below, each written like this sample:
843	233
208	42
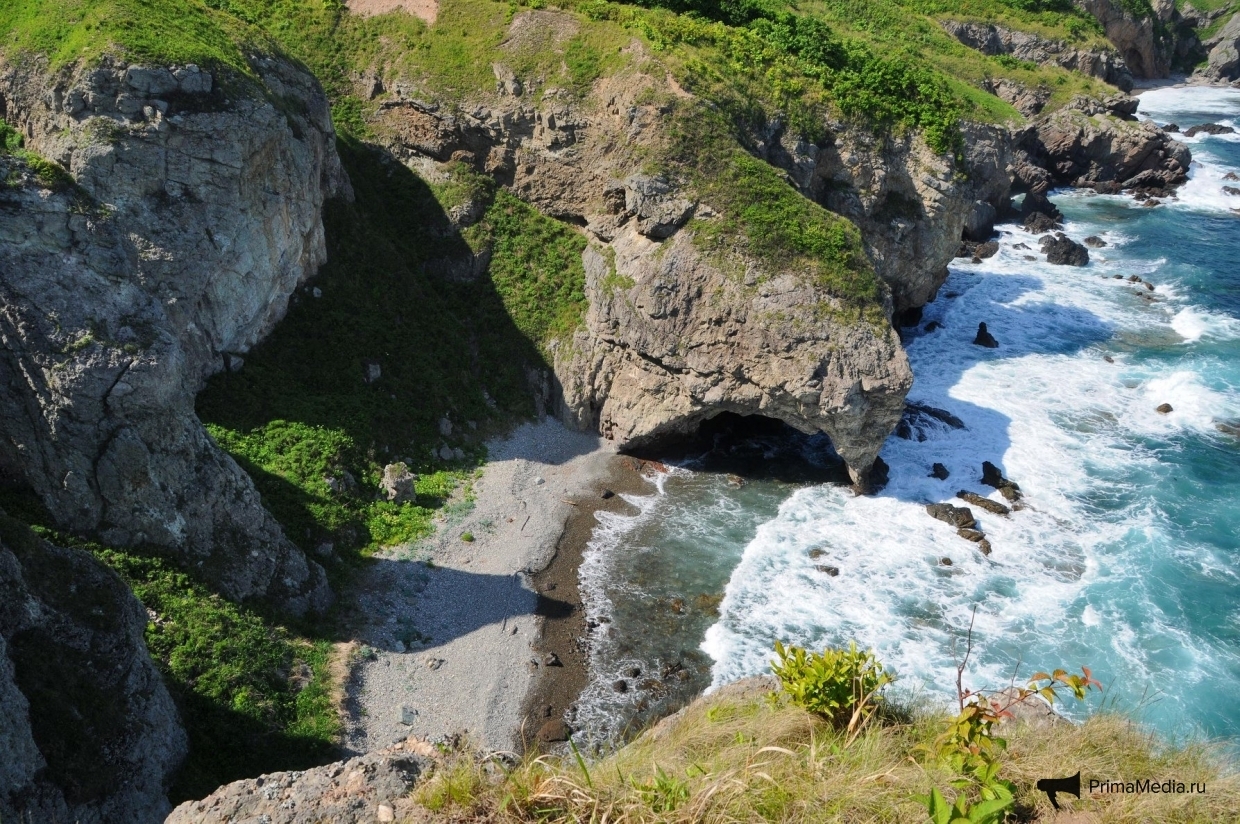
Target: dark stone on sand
1095	242
607	494
553	731
552	660
939	471
984	338
1164	409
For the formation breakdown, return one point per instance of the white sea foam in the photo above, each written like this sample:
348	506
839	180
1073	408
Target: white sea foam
1064	584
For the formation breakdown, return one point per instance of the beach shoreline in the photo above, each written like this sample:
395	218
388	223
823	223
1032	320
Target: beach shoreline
451	630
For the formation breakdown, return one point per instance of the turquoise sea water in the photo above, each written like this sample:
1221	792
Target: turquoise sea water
1127	559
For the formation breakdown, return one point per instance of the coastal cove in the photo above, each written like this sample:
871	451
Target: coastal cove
1125	558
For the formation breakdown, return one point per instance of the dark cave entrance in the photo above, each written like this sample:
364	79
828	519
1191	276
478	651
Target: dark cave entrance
751	446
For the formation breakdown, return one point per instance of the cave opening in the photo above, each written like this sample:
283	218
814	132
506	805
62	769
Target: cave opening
753	447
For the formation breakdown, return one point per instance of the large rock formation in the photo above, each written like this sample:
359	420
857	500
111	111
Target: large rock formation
1223	62
195	213
88	731
1137	38
675	335
991	39
1099	144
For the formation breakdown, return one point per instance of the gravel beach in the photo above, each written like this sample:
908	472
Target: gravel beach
449	631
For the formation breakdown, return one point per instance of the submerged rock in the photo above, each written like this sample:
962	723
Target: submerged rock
939	471
985	503
1208	128
960	517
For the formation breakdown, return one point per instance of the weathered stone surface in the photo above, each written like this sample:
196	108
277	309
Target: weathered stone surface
88	731
960	517
1208	128
980	224
1135	37
984	338
398	482
346	792
985	503
1223	62
111	319
1087	144
991	39
1062	250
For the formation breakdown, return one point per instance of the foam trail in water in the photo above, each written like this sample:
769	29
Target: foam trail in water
1073	579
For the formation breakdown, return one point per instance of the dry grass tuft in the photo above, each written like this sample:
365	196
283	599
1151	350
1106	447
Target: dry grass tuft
747	758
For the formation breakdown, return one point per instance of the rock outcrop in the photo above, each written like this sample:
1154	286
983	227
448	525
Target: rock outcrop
994	40
1223	62
88	731
194	214
1062	250
674	335
369	788
1098	144
1136	37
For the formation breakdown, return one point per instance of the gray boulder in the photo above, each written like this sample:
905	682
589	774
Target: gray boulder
398	483
1223	62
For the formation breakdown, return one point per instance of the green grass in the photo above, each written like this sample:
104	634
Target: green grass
254	697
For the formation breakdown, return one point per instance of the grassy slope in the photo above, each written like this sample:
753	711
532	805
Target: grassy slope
741	760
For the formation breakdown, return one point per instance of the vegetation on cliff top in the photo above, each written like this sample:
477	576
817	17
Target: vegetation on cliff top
829	746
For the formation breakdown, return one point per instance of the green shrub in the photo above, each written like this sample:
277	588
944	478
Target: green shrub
841	685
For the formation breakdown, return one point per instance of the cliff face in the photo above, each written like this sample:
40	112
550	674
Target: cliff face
195	213
994	40
1137	38
87	728
1223	63
675	334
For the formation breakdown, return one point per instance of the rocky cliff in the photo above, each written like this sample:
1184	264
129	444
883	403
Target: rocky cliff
1223	63
192	212
676	332
88	731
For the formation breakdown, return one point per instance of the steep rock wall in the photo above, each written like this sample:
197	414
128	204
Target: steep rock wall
1138	39
195	213
88	731
990	39
674	334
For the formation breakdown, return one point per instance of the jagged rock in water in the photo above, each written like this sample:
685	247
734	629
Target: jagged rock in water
1208	128
1095	242
1062	250
984	338
88	731
980	224
1039	224
992	477
985	503
1086	144
921	420
114	317
939	471
356	790
960	517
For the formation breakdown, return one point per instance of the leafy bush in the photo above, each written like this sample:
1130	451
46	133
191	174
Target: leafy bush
841	685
